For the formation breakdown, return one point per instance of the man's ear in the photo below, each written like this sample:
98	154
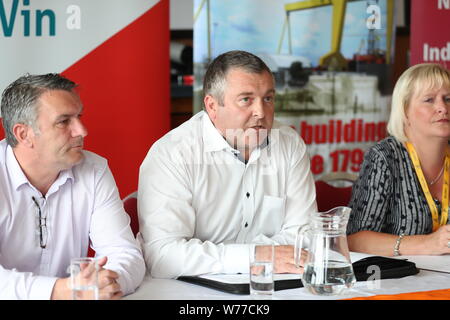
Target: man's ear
23	134
211	106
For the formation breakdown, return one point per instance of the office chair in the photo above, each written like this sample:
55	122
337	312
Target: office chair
130	205
332	190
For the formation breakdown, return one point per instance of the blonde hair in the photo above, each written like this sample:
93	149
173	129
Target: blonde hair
419	77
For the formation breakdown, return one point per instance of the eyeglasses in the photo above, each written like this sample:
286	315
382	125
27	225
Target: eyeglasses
42	225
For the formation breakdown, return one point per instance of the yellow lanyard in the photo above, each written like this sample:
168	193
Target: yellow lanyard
426	191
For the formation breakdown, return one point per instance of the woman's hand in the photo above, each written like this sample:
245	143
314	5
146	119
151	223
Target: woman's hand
438	241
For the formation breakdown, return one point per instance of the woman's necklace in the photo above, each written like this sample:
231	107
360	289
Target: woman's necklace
438	176
442	220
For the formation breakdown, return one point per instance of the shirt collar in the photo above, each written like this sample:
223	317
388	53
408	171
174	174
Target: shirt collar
212	138
18	176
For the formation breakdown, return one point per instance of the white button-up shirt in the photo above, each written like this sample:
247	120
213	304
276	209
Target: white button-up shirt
82	205
200	206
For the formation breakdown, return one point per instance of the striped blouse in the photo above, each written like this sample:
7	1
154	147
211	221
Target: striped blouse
387	196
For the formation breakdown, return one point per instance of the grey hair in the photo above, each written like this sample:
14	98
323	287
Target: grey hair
19	100
214	81
419	77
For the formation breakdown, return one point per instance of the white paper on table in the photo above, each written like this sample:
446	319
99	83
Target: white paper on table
356	256
244	278
432	263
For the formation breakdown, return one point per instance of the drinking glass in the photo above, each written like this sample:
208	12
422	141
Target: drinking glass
261	270
84	278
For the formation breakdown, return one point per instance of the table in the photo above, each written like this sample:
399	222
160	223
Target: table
170	289
425	280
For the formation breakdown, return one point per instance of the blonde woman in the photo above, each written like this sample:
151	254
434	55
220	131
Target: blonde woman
400	202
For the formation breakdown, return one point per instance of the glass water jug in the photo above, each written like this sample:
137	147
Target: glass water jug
327	268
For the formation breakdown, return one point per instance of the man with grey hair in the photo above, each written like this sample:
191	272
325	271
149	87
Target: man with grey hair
56	198
228	177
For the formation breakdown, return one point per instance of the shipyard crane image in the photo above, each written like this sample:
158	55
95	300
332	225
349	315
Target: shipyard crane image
334	59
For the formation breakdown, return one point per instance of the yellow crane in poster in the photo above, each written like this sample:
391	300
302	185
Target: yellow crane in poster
334	59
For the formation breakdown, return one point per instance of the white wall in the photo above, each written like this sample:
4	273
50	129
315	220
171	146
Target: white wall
181	14
400	13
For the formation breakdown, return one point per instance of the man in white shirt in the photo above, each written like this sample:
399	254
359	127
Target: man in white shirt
226	178
56	198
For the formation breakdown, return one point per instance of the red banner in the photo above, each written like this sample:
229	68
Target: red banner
430	32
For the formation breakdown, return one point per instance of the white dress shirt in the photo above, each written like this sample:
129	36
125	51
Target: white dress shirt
82	205
200	206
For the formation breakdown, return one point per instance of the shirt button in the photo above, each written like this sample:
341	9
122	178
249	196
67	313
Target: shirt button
246	224
248	194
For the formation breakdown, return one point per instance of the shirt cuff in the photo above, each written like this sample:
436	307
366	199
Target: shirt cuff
236	258
42	288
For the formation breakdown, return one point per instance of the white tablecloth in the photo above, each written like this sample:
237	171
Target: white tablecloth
425	280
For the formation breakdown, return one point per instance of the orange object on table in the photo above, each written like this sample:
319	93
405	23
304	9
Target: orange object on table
421	295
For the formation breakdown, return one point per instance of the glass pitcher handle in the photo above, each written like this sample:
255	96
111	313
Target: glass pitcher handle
299	244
